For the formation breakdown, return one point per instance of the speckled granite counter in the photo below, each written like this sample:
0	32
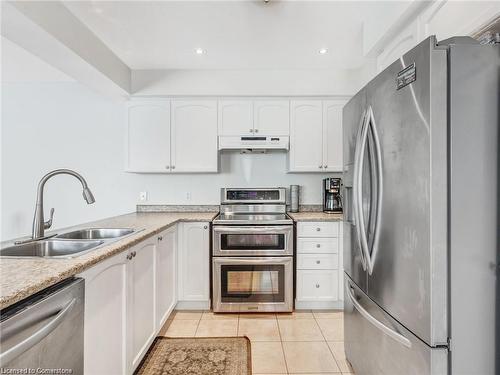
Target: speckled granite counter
315	216
20	278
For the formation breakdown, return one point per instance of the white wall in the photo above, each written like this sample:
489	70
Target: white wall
52	122
54	125
280	82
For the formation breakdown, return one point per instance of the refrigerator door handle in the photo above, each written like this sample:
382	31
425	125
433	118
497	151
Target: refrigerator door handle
388	331
355	188
358	194
380	183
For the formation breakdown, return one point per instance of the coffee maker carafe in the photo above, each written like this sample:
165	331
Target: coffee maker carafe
332	200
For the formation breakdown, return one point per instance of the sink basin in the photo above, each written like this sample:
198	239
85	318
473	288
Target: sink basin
96	233
50	248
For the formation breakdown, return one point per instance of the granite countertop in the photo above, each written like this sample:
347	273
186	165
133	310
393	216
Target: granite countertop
21	278
315	216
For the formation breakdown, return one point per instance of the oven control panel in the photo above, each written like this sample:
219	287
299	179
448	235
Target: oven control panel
274	195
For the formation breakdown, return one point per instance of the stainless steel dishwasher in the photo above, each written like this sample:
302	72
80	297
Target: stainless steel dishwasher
45	332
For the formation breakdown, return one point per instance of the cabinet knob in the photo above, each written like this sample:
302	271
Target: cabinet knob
318	261
326	166
133	254
173	166
320	166
318	229
160	238
256	130
129	256
318	245
205	227
317	285
167	167
251	130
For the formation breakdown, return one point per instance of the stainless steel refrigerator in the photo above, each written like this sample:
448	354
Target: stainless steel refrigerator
421	214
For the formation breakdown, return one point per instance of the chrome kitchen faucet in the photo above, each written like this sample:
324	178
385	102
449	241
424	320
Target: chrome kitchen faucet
39	223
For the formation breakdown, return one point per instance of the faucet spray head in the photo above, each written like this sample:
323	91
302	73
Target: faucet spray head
88	196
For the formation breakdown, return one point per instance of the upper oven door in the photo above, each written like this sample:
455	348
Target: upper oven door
253	240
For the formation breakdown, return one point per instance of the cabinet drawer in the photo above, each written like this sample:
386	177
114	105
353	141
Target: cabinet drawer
318	229
317	285
317	245
317	261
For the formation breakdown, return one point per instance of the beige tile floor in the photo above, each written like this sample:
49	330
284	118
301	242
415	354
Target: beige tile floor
304	342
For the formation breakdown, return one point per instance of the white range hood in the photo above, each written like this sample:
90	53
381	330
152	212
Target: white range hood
260	142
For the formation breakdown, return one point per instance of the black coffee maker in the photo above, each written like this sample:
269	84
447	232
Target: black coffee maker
332	199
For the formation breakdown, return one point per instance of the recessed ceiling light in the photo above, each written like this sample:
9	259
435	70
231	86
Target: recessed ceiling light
323	51
200	51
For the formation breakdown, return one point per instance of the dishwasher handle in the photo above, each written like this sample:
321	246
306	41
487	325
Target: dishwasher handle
35	338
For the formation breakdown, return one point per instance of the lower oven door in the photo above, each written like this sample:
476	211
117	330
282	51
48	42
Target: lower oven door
252	240
256	284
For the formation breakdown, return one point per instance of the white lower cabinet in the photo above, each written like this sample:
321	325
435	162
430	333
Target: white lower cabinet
319	266
166	275
105	343
128	298
194	265
141	300
317	285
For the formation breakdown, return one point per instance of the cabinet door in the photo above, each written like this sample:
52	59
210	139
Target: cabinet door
105	349
306	154
194	255
235	117
272	117
141	301
194	136
317	285
332	135
148	136
166	275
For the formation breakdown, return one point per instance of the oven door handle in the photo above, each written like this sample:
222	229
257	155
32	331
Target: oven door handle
252	260
276	229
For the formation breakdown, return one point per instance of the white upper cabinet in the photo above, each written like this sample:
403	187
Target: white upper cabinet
266	117
235	117
194	136
166	137
315	136
332	135
271	117
306	136
148	136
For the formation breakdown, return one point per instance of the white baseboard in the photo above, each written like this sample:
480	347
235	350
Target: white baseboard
319	305
192	305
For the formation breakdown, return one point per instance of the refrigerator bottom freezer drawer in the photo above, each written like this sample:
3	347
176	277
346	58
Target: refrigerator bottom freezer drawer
377	344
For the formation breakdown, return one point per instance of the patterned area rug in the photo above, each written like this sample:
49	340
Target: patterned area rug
197	356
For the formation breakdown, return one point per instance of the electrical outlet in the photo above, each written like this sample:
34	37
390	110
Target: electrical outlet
143	196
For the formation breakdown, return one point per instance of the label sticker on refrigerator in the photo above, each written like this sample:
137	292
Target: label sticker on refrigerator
406	76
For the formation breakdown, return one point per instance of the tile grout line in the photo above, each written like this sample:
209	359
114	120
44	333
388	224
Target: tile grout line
198	325
281	344
328	346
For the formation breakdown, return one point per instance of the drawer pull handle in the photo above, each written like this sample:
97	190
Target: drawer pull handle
318	229
318	261
317	285
318	245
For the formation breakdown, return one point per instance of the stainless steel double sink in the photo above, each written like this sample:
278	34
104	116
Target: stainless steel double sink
67	245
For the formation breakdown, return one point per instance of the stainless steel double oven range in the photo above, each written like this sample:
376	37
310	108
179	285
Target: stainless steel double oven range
252	252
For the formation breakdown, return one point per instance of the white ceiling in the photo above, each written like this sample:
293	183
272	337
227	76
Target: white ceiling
235	34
